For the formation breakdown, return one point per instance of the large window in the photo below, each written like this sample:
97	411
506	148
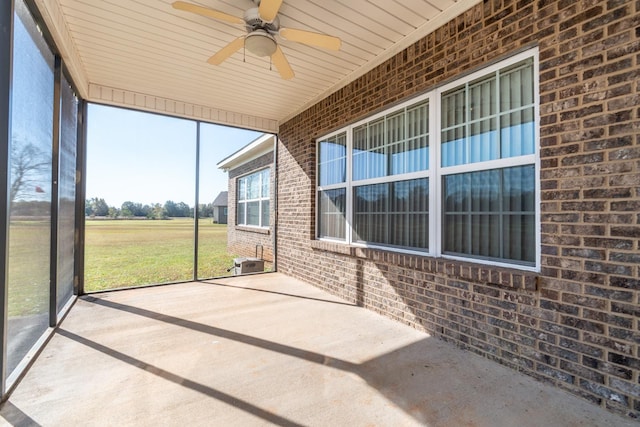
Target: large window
39	149
140	179
452	173
67	192
253	199
30	192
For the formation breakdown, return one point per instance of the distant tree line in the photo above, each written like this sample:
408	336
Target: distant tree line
170	209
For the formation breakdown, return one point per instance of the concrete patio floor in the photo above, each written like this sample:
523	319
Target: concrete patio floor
268	350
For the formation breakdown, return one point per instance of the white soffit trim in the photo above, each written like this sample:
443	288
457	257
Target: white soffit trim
424	30
143	102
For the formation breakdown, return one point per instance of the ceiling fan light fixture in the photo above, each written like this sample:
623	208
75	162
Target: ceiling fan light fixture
260	43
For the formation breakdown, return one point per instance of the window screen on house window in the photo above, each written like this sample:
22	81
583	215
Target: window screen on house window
392	145
253	199
394	214
490	118
491	213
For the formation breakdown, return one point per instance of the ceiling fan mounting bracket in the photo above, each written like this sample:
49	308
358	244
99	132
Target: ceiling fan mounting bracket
254	22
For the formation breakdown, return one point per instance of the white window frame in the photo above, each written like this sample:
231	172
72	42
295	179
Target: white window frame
351	183
335	186
435	173
260	199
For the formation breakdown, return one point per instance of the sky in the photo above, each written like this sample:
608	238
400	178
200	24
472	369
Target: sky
149	158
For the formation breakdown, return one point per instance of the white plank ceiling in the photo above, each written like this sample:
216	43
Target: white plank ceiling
146	55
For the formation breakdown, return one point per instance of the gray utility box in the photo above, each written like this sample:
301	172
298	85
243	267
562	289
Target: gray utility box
247	265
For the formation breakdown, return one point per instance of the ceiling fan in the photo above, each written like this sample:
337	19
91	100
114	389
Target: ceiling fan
262	26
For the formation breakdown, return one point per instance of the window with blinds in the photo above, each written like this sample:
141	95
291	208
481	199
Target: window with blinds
469	193
489	205
332	187
490	118
388	208
393	214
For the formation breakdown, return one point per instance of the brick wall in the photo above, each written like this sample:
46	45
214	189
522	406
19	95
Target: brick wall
576	323
242	241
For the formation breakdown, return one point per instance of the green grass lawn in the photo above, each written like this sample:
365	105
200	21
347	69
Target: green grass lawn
28	267
121	253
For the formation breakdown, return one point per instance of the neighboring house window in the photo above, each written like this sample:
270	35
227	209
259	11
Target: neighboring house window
452	173
253	199
225	210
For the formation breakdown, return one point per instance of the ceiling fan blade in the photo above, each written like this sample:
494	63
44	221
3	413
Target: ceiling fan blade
311	38
205	11
268	9
282	65
226	51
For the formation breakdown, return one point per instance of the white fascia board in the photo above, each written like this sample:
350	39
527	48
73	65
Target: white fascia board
260	146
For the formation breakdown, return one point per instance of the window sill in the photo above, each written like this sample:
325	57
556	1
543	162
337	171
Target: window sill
475	272
336	247
257	230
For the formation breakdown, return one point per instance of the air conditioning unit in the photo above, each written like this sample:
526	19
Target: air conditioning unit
247	265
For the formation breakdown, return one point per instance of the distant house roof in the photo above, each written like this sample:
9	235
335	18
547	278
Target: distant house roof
221	200
258	147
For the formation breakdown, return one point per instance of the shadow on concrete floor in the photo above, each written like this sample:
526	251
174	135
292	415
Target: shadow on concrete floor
276	350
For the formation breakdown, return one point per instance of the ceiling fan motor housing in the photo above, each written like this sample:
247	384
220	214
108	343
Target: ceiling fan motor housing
254	22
